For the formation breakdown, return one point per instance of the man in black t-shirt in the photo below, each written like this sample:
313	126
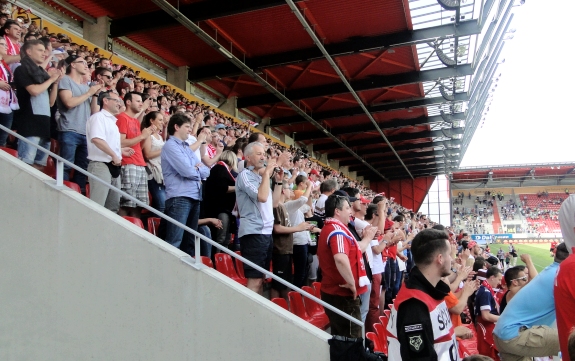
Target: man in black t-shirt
36	90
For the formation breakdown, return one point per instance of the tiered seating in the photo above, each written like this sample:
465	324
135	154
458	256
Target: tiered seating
550	202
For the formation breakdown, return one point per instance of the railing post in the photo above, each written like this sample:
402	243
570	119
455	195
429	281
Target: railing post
197	251
59	173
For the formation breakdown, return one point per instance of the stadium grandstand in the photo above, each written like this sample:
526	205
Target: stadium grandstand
168	167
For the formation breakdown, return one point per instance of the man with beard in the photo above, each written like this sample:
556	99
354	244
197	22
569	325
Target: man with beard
420	327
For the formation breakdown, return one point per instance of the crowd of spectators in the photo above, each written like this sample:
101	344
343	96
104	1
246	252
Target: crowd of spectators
272	202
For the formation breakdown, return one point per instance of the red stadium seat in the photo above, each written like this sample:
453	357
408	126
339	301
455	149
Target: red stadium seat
207	261
225	265
54	146
317	289
88	190
12	152
296	305
387	313
135	221
376	343
239	266
382	335
280	302
73	186
315	310
153	225
50	169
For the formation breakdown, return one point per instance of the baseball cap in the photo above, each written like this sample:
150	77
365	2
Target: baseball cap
59	51
220	126
364	200
314	171
344	194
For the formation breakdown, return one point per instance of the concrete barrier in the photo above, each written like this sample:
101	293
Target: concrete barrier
78	282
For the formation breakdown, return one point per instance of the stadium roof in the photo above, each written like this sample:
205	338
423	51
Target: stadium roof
515	175
391	88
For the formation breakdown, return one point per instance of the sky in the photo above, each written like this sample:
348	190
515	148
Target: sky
530	118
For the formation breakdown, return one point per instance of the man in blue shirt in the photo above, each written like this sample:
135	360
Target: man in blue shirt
183	172
525	329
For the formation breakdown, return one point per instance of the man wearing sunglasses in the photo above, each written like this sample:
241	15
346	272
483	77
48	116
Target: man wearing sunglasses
76	102
526	328
104	76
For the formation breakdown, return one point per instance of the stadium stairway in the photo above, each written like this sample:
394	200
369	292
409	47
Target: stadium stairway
79	282
496	218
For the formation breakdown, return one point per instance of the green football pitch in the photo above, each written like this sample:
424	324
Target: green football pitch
539	253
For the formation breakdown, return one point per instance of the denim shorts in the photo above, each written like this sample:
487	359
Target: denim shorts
31	155
258	249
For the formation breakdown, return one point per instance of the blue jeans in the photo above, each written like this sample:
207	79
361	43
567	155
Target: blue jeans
205	247
5	120
187	211
32	155
364	306
300	264
74	149
158	192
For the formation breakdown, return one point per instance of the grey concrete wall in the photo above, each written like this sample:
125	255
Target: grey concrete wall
79	283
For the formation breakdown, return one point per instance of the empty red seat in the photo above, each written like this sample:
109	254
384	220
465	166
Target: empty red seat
382	335
135	221
207	261
280	302
317	289
50	169
239	266
88	190
225	265
153	225
296	305
73	186
315	310
54	146
376	343
12	152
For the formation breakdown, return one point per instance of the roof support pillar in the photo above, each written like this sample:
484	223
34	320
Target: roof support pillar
230	106
353	175
334	163
98	33
323	158
178	76
344	170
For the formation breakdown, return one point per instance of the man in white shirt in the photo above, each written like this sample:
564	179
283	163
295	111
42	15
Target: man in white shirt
105	152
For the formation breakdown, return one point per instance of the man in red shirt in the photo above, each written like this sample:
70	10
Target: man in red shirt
565	282
134	177
343	270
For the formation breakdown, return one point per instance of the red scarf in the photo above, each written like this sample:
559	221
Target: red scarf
227	168
493	293
340	228
5	72
13	49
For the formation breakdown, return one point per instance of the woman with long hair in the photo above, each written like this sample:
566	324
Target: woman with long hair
152	150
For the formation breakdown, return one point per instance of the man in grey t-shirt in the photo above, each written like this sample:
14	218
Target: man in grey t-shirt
76	102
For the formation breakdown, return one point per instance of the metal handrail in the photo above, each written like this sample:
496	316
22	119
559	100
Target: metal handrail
197	261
